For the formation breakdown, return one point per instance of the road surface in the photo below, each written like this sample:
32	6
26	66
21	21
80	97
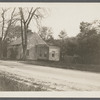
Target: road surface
53	79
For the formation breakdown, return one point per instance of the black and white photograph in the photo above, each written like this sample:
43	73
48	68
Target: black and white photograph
46	47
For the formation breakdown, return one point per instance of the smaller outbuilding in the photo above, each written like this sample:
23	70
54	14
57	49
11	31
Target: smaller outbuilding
48	52
54	53
42	51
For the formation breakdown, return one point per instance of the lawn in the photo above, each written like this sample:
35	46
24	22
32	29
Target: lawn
82	67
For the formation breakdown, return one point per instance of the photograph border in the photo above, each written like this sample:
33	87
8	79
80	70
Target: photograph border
59	96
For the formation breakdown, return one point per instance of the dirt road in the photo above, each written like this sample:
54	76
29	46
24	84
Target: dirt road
53	79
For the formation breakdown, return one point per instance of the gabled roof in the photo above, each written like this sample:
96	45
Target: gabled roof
16	42
33	39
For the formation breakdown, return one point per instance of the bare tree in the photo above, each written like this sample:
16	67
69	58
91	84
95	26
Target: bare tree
32	13
6	23
46	33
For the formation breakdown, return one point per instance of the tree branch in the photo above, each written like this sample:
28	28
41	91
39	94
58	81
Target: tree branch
9	23
22	15
29	14
32	15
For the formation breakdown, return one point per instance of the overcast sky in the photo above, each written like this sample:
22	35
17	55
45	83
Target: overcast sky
64	16
68	17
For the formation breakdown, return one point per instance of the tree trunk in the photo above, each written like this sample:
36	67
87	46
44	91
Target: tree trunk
25	28
25	42
24	52
1	51
3	48
22	36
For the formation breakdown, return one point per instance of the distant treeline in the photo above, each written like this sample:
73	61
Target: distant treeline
85	47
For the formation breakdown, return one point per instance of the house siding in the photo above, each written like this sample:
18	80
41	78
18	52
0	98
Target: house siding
54	53
16	49
32	53
43	52
9	52
20	51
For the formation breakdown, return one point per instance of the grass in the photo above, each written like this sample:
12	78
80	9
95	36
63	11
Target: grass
60	64
64	65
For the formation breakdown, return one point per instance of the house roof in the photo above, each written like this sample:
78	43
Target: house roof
16	42
33	39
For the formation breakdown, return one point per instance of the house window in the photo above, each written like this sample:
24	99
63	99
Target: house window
27	53
45	54
53	53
